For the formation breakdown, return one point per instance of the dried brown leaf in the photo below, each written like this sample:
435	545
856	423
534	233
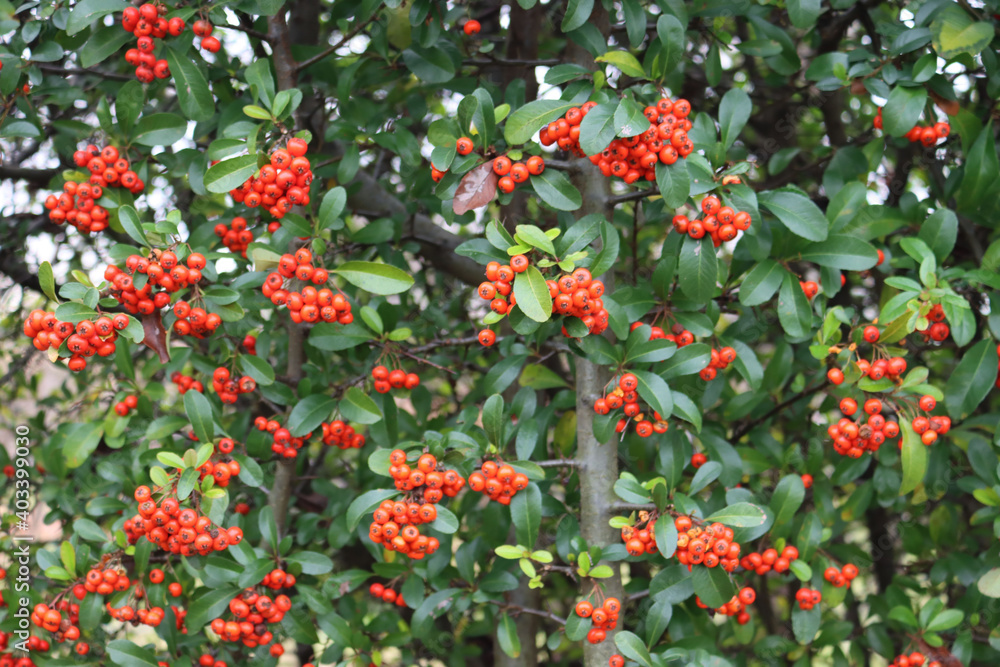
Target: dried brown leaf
156	335
476	189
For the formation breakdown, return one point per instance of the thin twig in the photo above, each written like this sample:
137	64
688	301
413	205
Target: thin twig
518	609
745	428
512	62
558	463
65	71
614	200
631	507
257	34
348	36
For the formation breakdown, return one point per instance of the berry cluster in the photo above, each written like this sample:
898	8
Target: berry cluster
342	435
221	471
102	581
937	330
712	546
236	236
126	405
252	611
762	563
204	30
678	334
513	173
156	576
497	481
626	396
854	439
394	525
86	339
808	598
736	606
842	577
177	530
63	628
195	321
429	483
721	223
719	362
186	383
604	617
151	616
915	659
641	538
283	444
162	269
386	594
928	135
229	388
311	304
631	158
76	206
280	185
386	380
206	660
148	24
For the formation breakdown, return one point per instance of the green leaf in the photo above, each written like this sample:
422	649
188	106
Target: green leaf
257	368
713	586
577	14
207	606
311	562
74	312
903	109
794	311
981	170
554	188
196	100
510	643
103	43
734	112
199	412
230	174
939	232
914	457
531	118
761	283
432	65
697	269
740	515
526	513
332	206
365	503
376	278
666	535
68	556
989	583
129	220
47	280
446	521
673	182
160	129
627	63
86	12
357	406
955	33
805	624
656	392
796	212
336	337
125	652
309	413
532	295
673	42
803	13
597	129
787	499
493	421
256	112
171	460
842	251
945	620
707	473
971	380
633	648
535	237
